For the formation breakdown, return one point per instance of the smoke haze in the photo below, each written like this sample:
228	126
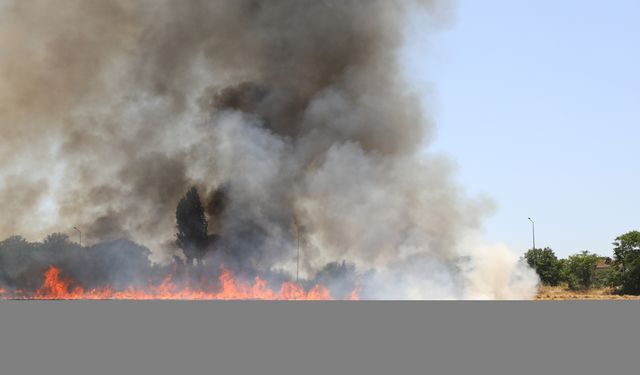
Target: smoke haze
291	117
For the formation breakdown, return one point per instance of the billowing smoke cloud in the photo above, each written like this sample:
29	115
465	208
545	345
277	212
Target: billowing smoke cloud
291	115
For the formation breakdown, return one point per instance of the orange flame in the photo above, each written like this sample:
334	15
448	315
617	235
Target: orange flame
56	286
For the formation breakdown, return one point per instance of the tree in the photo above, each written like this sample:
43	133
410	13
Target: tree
16	260
546	264
340	277
580	270
610	278
55	240
627	261
192	227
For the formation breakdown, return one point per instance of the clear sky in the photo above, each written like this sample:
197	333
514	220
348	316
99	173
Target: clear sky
538	103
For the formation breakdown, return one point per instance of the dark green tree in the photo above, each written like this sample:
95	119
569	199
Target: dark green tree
340	277
56	240
580	270
15	254
609	278
192	227
627	261
546	264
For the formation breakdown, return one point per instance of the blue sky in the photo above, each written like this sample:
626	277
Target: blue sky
538	103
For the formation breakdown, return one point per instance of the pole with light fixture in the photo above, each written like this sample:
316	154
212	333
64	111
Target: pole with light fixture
80	233
533	231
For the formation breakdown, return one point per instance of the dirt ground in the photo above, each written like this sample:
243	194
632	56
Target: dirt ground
546	293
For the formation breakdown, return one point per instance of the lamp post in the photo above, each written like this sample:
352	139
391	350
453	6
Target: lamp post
80	233
533	230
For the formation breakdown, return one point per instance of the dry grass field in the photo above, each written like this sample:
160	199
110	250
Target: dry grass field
557	293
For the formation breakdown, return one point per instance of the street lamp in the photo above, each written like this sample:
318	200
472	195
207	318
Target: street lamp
80	233
533	229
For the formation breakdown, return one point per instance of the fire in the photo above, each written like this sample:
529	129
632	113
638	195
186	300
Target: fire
57	286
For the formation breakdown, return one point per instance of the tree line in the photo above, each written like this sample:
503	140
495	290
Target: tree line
122	263
584	270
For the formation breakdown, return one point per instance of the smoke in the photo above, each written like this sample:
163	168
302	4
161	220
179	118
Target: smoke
291	115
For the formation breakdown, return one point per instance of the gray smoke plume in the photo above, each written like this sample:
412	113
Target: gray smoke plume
295	109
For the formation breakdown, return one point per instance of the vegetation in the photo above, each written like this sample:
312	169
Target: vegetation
340	277
192	225
119	263
546	264
581	272
627	262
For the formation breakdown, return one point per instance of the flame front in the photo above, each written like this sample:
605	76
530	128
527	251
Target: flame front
56	287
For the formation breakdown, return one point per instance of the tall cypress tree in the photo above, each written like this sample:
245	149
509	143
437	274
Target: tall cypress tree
192	226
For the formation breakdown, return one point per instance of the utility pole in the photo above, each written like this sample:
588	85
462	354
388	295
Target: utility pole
298	259
80	233
533	229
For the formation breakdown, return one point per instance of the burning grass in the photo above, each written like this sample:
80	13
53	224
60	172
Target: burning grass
57	286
